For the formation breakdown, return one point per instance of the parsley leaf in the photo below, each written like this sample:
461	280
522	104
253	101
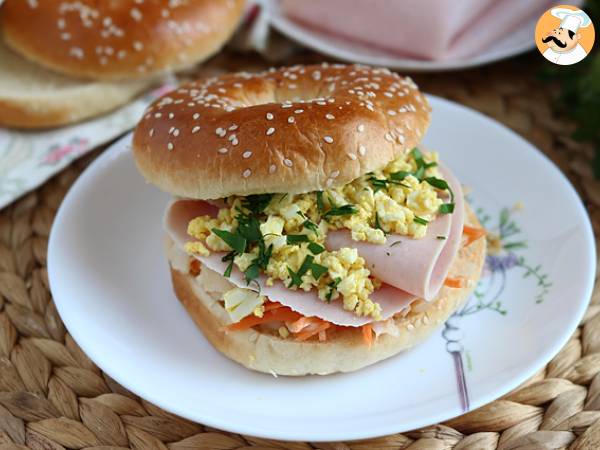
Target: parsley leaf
235	241
257	203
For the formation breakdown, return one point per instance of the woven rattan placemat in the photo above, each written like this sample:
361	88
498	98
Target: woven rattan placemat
52	396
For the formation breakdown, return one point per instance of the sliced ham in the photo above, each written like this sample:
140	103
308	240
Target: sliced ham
414	268
417	266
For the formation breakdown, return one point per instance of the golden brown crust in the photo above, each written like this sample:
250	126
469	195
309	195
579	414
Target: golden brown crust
296	129
345	351
118	40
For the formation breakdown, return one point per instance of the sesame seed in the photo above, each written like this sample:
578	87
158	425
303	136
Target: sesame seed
391	112
157	115
171	130
291	119
329	116
151	133
269	116
247	154
138	46
362	150
335	174
170	146
401	138
223	150
352	156
247	173
233	127
287	105
220	132
360	128
388	137
176	132
270	131
171	115
272	168
195	129
328	139
288	162
329	182
196	116
299	111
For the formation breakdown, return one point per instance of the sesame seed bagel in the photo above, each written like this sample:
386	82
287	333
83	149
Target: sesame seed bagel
118	39
344	351
294	130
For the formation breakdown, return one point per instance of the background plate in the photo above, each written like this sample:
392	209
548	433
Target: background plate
110	282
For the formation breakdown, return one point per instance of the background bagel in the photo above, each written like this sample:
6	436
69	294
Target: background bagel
342	352
293	130
34	97
117	40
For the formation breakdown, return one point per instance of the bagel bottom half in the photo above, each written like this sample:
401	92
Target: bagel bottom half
344	350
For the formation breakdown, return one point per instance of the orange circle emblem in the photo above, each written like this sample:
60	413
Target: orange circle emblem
564	35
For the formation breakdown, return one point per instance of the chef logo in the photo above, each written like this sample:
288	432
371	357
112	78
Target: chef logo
564	35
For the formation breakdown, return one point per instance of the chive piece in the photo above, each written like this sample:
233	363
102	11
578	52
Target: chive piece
292	239
332	287
317	270
420	220
257	203
447	208
437	183
395	243
320	204
345	210
400	175
441	238
235	241
296	280
311	226
316	248
378	225
227	272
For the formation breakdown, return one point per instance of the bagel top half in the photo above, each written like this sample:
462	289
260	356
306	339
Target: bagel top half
294	130
123	39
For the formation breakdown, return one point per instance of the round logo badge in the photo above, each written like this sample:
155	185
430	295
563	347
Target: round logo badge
564	35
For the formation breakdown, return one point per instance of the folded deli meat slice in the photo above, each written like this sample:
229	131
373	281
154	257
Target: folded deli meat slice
411	269
392	300
417	266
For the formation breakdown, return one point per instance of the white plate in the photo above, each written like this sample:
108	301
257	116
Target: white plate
111	285
513	43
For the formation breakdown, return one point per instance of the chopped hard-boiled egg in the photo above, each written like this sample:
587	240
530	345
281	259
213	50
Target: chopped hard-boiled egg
283	236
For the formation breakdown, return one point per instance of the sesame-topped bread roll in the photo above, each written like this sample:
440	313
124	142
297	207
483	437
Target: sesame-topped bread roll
293	130
118	40
310	232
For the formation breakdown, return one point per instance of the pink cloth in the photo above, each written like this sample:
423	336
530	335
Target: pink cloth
427	29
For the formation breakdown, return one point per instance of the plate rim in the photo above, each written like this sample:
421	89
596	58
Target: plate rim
353	434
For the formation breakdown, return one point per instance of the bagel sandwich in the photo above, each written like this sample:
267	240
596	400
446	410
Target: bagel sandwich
310	231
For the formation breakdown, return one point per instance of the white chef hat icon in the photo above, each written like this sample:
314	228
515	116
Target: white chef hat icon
570	19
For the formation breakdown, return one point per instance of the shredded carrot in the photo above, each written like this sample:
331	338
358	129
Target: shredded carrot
473	234
276	315
194	267
458	282
312	330
367	333
298	325
272	305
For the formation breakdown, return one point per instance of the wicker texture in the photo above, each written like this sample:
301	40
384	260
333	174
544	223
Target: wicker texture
53	397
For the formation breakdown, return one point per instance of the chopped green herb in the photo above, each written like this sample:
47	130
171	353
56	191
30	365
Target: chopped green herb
420	220
400	175
311	226
257	203
252	272
320	204
235	241
316	248
227	272
441	238
296	238
446	208
345	210
437	183
296	279
317	270
249	228
332	287
379	184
